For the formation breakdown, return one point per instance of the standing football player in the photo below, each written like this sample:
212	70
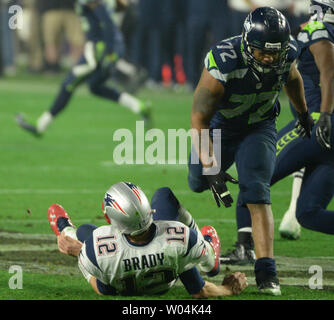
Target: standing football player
238	95
103	53
315	189
146	248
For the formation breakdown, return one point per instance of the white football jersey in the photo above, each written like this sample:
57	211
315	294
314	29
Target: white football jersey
144	269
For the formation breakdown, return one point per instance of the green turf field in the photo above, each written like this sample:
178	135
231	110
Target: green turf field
73	165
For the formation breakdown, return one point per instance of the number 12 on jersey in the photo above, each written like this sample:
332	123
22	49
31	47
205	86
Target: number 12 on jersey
177	234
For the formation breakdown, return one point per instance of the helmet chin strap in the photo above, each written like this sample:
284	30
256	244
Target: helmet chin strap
258	71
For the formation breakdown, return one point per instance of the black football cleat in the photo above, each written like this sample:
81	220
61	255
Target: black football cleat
241	255
27	126
270	287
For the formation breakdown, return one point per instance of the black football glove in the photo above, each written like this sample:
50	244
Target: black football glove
304	125
219	190
323	130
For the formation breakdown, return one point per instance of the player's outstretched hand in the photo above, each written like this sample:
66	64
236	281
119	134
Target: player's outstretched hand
236	282
304	125
219	189
324	129
69	246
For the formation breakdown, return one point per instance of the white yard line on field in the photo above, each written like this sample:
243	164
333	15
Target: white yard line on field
298	267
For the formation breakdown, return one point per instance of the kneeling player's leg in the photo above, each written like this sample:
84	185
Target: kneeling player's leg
316	193
289	227
168	207
292	155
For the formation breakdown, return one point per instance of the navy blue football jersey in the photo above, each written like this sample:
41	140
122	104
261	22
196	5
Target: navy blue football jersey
313	32
246	101
98	24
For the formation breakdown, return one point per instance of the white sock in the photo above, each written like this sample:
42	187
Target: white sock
44	121
70	232
296	185
126	68
130	102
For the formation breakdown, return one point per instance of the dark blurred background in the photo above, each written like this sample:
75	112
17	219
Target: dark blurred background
166	37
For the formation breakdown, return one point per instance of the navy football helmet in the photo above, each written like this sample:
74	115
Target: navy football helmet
327	9
266	29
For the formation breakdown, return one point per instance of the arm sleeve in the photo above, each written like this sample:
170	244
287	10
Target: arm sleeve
211	65
105	289
192	280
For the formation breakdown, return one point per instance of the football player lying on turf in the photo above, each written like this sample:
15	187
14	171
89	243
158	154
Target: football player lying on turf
146	247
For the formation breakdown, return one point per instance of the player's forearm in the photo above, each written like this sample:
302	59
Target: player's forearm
202	111
93	283
295	91
210	290
202	142
327	91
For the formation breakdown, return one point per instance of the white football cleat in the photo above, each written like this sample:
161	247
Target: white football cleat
290	227
270	288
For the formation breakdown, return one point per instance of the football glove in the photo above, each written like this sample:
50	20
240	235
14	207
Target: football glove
323	130
304	125
217	184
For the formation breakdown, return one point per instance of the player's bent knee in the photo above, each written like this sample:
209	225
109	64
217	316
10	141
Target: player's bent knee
255	192
161	195
197	189
164	192
196	185
305	216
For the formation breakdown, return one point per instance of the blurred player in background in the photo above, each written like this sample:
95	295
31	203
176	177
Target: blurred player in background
238	94
311	159
141	252
102	54
316	66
